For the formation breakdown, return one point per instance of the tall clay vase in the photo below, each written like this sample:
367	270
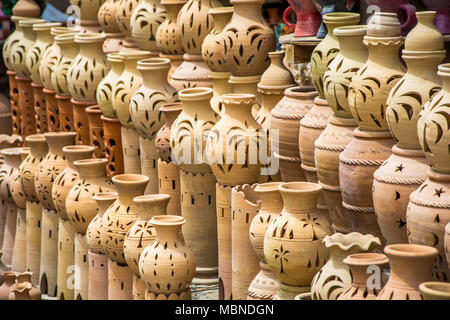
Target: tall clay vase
198	184
28	168
109	24
145	104
295	262
194	23
98	260
167	266
8	169
145	21
265	285
96	133
286	116
429	205
123	12
365	268
66	179
9	279
113	146
247	39
122	91
411	265
105	87
141	234
26	8
338	133
340	246
168	172
46	173
406	169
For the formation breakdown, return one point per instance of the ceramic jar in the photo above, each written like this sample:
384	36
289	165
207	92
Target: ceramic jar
9	279
171	111
340	246
365	268
247	39
21	291
286	116
124	11
13	39
418	260
88	68
328	48
296	262
142	232
405	12
80	206
145	21
26	8
435	290
265	285
121	215
167	265
25	277
233	143
307	18
168	40
107	16
68	177
105	87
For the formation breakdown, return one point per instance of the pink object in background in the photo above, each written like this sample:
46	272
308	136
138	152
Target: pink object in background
308	18
442	8
405	11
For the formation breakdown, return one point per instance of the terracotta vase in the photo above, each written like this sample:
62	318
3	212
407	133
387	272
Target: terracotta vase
9	279
96	134
21	291
411	265
171	111
26	8
80	206
65	109
25	277
245	262
435	290
88	68
442	9
246	28
295	262
105	87
307	18
328	48
167	265
405	11
121	215
340	246
124	11
366	268
145	21
265	285
109	24
19	50
168	39
66	260
14	103
88	8
113	146
81	121
286	116
12	41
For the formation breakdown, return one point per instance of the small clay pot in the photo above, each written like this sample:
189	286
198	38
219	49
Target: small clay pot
9	278
435	290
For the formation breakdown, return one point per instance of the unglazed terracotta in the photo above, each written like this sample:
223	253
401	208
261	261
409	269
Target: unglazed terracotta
105	87
26	8
98	276
88	8
171	111
121	215
145	21
124	11
9	279
265	285
435	290
295	262
167	266
96	134
107	16
14	103
411	265
80	206
13	39
365	268
113	146
286	116
66	260
405	12
88	68
21	291
168	39
25	277
335	276
328	48
81	121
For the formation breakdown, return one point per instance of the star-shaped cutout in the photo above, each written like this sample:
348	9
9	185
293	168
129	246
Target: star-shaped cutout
401	223
399	168
438	192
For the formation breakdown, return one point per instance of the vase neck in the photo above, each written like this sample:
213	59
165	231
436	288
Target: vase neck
423	66
239	111
249	11
445	76
89	49
352	47
69	50
155	78
384	52
56	142
129	189
168	232
151	206
13	160
172	10
38	147
44	36
91	168
300	200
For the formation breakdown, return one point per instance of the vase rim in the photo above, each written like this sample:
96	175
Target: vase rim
153	63
9	273
301	91
21	286
444	69
174	2
194	94
135	55
221	10
151	198
341	17
114	57
90	38
88	162
268	187
168	220
171	107
363	134
30	22
366	259
46	26
105	196
425	13
68	37
355	30
95	109
245	79
435	288
299	187
55	31
238	98
410	153
59	134
39	137
130	178
18	18
78	149
24	150
351	240
11	151
410	250
413	54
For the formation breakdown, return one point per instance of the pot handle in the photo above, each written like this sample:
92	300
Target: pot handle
409	11
286	14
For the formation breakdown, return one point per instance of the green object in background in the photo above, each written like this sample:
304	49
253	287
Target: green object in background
278	29
7	6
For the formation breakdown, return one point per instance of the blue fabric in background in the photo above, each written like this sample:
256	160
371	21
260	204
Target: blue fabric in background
52	14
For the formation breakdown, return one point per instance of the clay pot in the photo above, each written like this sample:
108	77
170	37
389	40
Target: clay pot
65	109
124	10
127	84
142	232
442	14
192	73
20	50
295	262
25	277
168	38
120	282
88	68
96	134
88	8
427	216
211	47
435	290
244	263
113	146
26	8
247	26
411	265
405	11
14	103
308	18
340	246
21	291
328	48
221	86
121	215
80	206
362	267
171	111
233	143
81	121
107	16
9	279
265	285
167	266
13	39
145	21
295	104
105	87
68	177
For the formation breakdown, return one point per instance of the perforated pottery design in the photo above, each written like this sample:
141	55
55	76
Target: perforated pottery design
124	11
168	38
145	21
107	16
